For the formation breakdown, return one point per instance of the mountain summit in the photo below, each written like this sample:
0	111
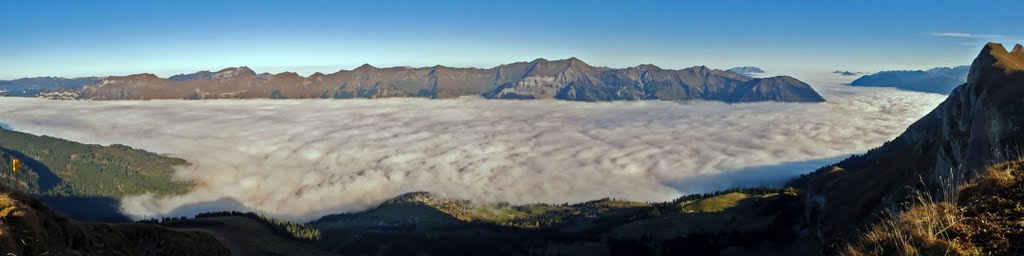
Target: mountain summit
979	124
568	79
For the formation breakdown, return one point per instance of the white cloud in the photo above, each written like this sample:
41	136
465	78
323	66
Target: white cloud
953	34
967	35
301	159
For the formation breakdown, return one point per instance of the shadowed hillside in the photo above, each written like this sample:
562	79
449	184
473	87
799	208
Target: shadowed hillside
30	228
735	222
82	180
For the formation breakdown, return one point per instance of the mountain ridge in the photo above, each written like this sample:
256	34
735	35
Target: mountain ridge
940	80
977	125
568	79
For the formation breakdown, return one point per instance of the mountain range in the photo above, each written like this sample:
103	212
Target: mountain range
969	142
568	79
937	80
30	87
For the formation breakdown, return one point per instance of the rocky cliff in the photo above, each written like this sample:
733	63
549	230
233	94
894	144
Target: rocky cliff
980	123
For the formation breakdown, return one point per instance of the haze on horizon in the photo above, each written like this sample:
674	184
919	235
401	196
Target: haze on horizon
41	38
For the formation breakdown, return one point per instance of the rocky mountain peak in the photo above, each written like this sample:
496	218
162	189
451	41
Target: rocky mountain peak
205	74
980	123
575	61
648	67
365	67
142	77
994	55
1018	49
233	72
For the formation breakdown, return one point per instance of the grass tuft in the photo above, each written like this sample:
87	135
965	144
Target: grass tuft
984	216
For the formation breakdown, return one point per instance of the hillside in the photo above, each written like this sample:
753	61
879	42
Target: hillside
976	126
936	80
30	228
66	174
248	234
736	222
569	79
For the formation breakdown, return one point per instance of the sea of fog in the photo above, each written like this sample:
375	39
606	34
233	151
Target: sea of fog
300	159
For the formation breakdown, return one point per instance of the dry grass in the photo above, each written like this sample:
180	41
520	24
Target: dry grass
923	230
984	216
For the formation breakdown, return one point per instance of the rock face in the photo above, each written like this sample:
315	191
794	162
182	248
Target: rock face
569	79
936	80
980	123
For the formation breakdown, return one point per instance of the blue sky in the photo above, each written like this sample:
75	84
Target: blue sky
78	38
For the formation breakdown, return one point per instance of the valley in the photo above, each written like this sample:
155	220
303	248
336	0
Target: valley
511	128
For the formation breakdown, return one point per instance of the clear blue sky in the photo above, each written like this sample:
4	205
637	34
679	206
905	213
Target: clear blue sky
77	38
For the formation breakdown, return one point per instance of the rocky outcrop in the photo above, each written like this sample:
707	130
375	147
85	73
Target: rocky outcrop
980	123
569	79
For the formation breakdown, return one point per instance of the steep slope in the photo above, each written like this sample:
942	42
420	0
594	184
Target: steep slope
979	124
30	228
936	80
569	79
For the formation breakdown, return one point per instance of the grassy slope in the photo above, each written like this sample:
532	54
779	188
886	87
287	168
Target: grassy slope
985	216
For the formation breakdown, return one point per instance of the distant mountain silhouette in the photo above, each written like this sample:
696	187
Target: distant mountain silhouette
936	80
746	70
35	85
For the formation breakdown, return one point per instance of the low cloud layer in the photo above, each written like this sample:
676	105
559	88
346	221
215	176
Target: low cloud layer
301	159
